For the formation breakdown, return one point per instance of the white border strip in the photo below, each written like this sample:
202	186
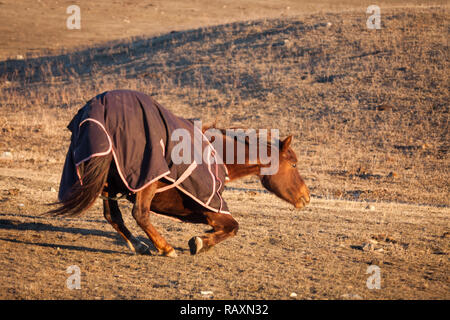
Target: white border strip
175	184
110	149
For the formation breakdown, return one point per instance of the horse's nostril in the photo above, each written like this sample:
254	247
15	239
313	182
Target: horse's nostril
300	203
307	199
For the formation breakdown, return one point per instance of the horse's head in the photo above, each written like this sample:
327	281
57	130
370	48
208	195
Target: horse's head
287	183
284	181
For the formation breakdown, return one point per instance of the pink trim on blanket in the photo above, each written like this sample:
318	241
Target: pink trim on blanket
125	181
196	199
161	142
98	154
213	152
110	149
220	185
199	201
190	168
183	177
212	175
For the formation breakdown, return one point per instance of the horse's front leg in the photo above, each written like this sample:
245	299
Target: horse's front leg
141	213
113	215
224	226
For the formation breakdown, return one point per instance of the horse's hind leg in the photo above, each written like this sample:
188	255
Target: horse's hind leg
113	215
224	226
141	213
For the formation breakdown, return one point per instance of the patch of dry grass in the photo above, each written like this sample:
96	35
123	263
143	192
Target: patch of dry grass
322	252
368	109
322	78
36	28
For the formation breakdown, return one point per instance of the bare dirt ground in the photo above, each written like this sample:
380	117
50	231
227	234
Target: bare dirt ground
322	252
368	110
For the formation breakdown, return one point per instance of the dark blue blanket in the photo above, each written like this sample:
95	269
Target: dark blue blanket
138	132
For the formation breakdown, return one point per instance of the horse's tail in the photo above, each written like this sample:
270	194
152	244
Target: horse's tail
93	174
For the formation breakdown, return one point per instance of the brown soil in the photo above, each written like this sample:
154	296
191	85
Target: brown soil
368	110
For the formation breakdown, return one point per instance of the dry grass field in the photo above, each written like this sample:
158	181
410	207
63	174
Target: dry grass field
368	110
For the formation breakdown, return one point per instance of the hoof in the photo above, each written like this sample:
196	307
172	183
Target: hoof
195	245
141	248
171	254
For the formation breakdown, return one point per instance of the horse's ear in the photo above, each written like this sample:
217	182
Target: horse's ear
286	143
209	126
205	128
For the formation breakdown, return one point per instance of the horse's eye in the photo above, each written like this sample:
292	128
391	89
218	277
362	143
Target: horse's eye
294	165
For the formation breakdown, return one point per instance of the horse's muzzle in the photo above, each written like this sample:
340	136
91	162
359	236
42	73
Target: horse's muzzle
302	201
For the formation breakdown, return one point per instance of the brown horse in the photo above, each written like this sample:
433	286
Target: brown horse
100	176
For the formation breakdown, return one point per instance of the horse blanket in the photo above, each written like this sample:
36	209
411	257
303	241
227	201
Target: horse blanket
142	135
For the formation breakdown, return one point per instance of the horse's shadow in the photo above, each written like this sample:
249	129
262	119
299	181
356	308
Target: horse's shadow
65	247
11	224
